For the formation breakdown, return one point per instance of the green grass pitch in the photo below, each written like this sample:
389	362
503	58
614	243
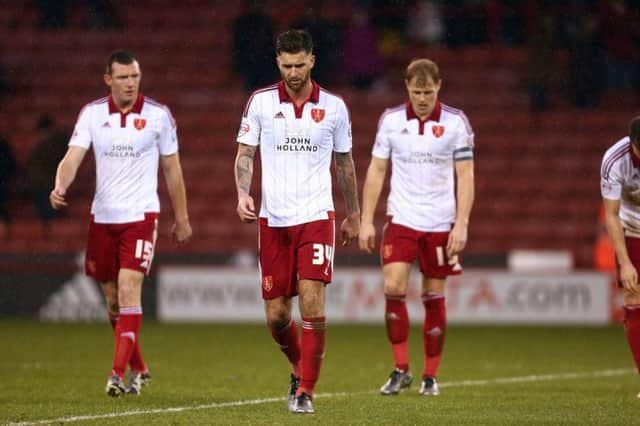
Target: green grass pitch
207	374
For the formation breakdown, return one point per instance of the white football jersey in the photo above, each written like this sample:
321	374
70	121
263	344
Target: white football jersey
619	179
126	148
296	147
423	156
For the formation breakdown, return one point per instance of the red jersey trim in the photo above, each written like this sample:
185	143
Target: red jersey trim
615	156
96	102
337	96
313	98
136	109
162	106
434	116
460	114
389	111
264	89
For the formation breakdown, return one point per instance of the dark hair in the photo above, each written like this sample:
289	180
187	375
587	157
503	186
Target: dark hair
634	131
422	69
294	41
121	57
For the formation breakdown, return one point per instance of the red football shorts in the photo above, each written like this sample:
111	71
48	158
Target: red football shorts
402	244
293	253
114	246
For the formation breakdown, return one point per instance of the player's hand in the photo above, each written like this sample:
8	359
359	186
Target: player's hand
367	237
246	208
457	240
350	228
629	278
181	232
57	198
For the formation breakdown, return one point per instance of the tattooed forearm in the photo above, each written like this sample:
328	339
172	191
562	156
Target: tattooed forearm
346	176
244	167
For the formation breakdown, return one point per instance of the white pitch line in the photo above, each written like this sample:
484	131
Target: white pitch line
462	383
539	378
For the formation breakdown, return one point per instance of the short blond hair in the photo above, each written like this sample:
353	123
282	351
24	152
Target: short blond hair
422	69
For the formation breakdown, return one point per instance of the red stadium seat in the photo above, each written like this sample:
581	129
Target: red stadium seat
536	179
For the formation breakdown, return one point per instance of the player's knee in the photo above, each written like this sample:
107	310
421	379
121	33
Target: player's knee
312	308
111	301
128	294
113	309
278	320
631	298
394	287
433	285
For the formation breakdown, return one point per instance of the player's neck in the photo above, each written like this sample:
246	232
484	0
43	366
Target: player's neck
301	95
424	116
123	106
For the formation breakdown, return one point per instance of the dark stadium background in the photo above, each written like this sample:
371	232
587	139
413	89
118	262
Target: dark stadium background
537	169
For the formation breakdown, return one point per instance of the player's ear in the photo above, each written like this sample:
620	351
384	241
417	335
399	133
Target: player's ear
312	60
107	79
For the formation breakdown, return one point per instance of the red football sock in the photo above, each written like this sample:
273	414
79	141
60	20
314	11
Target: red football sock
632	328
136	362
313	338
288	340
126	338
397	322
433	332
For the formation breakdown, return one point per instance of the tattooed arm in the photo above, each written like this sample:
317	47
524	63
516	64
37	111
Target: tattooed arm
244	173
346	176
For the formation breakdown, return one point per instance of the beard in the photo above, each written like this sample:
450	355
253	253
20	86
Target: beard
296	85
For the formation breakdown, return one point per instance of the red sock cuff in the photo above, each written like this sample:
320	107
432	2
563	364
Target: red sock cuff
131	310
315	323
395	297
632	314
432	298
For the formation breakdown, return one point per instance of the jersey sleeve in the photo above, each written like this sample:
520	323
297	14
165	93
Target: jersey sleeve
342	134
465	141
168	142
249	133
610	181
382	144
81	132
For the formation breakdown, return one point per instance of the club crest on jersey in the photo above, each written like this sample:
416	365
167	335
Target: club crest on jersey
139	123
437	131
267	283
317	114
